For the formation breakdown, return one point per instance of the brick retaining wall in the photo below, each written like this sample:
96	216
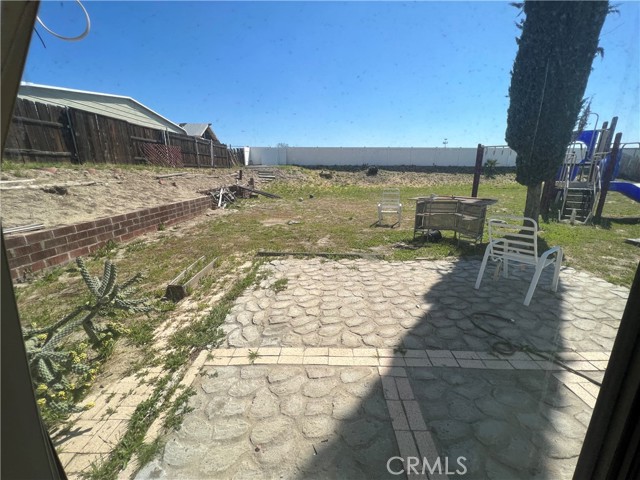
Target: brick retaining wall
35	251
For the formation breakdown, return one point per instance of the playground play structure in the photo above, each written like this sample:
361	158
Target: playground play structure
588	172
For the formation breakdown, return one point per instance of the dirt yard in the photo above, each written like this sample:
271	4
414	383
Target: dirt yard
118	191
115	191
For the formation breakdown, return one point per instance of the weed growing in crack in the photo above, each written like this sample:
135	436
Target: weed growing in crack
253	356
179	409
401	350
148	451
206	331
280	285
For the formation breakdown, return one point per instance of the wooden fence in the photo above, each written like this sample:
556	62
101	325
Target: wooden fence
46	133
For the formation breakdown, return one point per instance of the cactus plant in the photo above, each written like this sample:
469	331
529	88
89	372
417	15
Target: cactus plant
50	363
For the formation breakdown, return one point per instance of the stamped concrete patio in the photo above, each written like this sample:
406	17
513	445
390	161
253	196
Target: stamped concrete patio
358	361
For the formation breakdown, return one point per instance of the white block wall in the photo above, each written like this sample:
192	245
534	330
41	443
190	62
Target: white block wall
342	156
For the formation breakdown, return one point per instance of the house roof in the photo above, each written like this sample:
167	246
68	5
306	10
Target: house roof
199	129
195	129
115	106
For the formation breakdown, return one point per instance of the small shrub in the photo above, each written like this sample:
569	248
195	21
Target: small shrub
106	250
490	168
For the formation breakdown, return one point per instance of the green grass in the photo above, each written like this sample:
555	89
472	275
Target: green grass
141	332
133	440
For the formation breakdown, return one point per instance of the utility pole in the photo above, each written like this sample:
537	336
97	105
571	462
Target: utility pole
446	141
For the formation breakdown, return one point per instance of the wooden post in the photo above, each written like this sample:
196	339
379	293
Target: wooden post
74	154
478	170
608	174
166	147
100	141
601	138
607	135
211	152
195	144
133	152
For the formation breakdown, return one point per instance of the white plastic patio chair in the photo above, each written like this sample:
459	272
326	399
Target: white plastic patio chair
515	239
390	204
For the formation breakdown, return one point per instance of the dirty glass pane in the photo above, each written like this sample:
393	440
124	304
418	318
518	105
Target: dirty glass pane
325	200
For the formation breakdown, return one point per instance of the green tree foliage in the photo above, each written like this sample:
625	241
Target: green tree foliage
556	49
583	119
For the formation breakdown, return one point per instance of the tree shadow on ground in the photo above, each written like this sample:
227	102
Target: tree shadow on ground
489	396
461	377
608	222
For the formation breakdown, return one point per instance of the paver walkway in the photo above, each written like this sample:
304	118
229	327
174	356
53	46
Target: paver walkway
356	362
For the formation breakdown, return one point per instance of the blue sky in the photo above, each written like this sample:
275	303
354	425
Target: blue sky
321	73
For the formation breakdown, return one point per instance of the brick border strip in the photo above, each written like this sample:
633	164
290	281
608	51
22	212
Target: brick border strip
31	252
412	435
391	362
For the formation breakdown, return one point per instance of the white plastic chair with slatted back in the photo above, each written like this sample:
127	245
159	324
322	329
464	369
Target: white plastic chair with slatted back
515	239
390	204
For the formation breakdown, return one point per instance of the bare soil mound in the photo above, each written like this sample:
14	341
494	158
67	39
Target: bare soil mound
115	191
123	190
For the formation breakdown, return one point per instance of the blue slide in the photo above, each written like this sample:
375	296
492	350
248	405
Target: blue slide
631	190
